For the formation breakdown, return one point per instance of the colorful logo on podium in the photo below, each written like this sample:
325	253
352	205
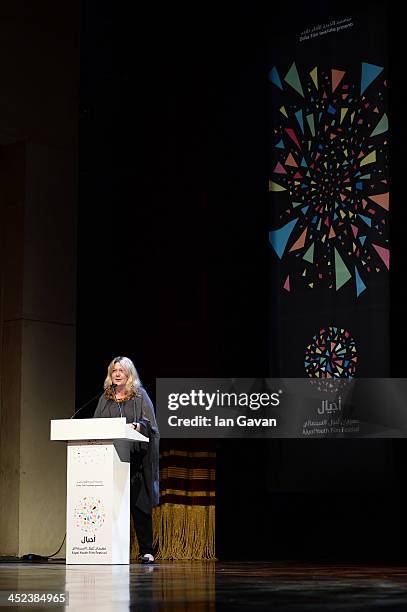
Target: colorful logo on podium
89	514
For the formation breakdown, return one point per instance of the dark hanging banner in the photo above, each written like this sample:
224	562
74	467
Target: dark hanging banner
329	197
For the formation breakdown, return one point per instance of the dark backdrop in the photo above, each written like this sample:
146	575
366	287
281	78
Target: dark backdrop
173	260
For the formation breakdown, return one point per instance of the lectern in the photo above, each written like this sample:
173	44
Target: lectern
98	488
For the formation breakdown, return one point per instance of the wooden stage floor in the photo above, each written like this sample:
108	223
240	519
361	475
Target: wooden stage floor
205	586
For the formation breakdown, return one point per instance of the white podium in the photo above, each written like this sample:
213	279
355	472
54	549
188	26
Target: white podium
98	488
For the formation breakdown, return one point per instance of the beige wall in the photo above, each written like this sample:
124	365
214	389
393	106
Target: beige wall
10	439
39	65
12	193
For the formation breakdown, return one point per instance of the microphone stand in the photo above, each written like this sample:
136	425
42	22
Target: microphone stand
115	397
84	405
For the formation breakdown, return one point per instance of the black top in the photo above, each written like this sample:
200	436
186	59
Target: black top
144	458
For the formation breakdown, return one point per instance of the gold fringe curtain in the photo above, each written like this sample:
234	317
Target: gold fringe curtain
184	522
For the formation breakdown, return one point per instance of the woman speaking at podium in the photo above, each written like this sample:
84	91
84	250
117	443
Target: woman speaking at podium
124	396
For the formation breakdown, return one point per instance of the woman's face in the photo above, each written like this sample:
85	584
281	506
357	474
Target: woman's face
119	376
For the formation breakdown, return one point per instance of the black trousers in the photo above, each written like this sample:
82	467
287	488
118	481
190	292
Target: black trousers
143	524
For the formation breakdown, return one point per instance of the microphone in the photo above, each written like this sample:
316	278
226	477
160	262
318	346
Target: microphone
113	387
84	405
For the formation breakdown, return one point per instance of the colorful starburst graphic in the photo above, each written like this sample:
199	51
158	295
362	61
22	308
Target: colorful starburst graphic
329	179
89	514
331	354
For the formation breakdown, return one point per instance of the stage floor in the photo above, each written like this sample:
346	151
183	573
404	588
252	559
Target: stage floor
205	586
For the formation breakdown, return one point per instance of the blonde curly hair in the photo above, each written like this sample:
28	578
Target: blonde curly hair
133	382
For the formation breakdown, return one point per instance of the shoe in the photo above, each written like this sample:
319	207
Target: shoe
147	558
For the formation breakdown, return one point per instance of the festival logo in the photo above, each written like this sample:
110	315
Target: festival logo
89	514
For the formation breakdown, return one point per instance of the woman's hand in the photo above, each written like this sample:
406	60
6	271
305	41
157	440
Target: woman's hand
141	428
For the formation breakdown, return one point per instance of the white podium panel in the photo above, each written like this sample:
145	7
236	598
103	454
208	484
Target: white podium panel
97	504
94	429
98	489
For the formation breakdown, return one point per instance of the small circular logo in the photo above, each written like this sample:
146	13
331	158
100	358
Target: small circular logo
331	354
89	514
